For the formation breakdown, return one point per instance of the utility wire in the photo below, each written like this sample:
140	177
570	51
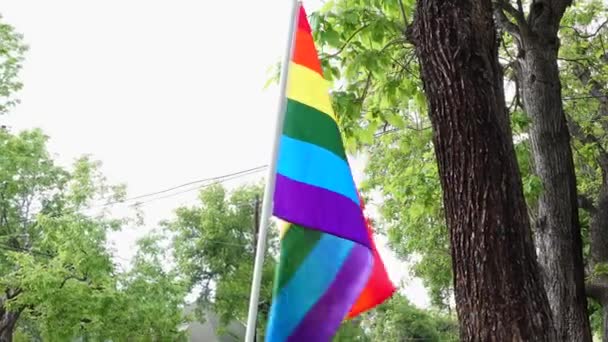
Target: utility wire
195	188
247	172
222	178
258	168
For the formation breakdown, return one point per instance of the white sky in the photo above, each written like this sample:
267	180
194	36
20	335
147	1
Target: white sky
162	92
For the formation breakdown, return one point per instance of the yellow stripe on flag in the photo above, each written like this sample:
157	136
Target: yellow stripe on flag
308	87
283	228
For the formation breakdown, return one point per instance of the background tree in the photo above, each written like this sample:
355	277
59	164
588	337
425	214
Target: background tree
399	320
214	244
56	272
148	303
12	50
403	165
557	227
50	252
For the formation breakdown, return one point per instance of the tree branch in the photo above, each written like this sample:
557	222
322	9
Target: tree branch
403	15
520	7
578	133
574	60
4	215
10	294
420	129
368	83
586	36
82	279
506	24
518	14
598	290
516	99
559	8
348	41
586	203
511	59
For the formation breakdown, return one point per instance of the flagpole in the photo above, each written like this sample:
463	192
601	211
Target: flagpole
270	181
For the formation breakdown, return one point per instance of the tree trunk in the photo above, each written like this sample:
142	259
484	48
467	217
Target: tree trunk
498	289
8	321
558	233
605	323
557	230
599	247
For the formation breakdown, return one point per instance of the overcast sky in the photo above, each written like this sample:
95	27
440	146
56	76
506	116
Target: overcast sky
163	92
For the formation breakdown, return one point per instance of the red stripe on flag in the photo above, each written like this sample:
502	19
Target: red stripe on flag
379	286
303	21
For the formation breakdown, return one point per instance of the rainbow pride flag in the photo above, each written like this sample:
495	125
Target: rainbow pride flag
329	269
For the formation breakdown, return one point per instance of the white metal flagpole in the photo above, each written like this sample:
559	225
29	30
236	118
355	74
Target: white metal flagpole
270	181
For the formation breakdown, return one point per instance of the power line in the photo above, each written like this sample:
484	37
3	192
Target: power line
246	172
195	188
258	168
221	178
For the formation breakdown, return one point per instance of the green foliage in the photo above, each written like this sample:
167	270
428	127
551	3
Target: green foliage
214	244
402	168
352	330
364	50
55	269
595	317
12	51
584	65
600	269
398	320
149	303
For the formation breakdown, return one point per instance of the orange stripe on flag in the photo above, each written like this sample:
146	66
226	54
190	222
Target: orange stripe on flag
379	286
305	52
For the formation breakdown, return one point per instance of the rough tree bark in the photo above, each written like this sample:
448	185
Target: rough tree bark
557	229
605	323
8	321
7	326
498	287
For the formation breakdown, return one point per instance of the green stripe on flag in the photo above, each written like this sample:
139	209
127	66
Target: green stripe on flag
312	126
295	247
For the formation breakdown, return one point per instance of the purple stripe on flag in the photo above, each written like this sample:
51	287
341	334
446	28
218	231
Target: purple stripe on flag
320	209
324	318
